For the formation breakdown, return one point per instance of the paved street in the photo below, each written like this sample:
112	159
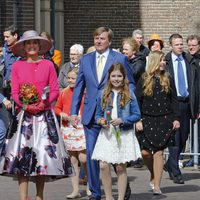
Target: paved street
139	179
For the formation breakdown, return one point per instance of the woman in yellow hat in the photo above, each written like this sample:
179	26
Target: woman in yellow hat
155	43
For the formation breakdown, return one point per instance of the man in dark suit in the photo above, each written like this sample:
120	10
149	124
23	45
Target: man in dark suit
193	42
93	80
184	71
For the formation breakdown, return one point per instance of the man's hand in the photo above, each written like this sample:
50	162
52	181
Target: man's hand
74	121
176	125
7	104
104	123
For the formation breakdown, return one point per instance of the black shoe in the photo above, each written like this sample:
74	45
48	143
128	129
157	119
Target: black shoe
92	198
167	169
178	179
128	192
138	163
130	164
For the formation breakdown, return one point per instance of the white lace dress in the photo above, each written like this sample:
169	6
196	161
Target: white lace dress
107	148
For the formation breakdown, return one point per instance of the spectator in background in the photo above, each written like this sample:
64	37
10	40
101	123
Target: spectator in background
136	59
11	36
76	52
7	59
138	36
193	42
53	54
184	70
4	104
155	43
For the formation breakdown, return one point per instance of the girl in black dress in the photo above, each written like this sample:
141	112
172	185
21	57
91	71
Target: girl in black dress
156	96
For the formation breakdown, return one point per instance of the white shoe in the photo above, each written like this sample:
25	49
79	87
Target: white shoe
180	164
157	192
73	196
151	186
88	192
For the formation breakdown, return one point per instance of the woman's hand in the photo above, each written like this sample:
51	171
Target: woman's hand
139	126
116	122
35	108
176	125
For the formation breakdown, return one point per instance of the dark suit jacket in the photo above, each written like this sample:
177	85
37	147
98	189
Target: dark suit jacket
87	79
193	80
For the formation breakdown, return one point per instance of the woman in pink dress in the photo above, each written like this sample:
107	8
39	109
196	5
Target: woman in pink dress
36	150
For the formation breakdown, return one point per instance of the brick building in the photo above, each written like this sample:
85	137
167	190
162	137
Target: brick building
73	21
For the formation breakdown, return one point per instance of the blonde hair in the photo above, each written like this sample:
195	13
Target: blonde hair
73	69
152	68
125	95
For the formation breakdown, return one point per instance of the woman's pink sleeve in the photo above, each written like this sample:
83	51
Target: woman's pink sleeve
15	85
53	83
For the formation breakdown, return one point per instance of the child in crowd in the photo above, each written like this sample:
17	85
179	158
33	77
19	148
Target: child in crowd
74	138
117	110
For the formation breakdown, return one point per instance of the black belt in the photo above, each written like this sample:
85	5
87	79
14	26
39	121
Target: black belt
183	99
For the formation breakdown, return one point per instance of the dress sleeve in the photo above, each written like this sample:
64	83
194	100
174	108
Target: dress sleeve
53	84
15	84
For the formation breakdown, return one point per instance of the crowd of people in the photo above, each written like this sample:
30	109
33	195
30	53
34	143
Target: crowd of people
101	109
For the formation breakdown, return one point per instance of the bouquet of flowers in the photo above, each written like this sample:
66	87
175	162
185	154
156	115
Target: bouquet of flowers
116	131
28	94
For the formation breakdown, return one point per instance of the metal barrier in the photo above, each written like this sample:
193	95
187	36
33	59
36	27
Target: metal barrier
193	149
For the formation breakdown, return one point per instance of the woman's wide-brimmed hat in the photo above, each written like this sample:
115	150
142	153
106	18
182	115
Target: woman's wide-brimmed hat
18	48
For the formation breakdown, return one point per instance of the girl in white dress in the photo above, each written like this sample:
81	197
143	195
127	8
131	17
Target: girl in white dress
117	110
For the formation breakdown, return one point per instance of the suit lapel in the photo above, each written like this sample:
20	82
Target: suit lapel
93	66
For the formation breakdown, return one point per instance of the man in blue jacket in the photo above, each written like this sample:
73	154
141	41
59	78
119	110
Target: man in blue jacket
6	61
92	77
11	36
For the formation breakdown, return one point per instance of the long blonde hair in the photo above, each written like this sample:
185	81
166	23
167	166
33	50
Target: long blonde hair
125	95
153	66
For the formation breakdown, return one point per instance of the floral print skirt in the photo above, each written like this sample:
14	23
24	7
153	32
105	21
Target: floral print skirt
36	148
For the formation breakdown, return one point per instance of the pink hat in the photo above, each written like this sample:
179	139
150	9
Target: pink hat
18	48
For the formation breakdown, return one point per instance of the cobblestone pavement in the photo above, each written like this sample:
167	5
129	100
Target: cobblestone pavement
139	179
